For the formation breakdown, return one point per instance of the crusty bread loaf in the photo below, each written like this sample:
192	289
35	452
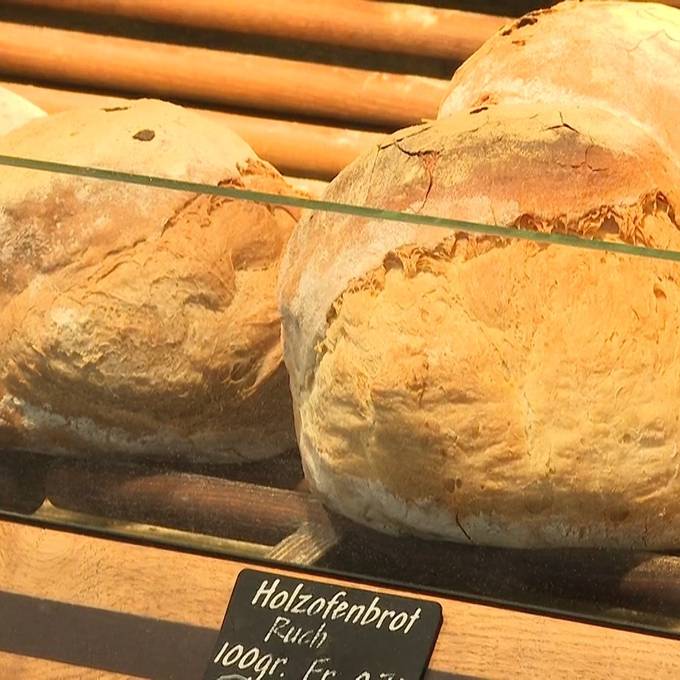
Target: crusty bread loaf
620	56
136	320
15	111
484	389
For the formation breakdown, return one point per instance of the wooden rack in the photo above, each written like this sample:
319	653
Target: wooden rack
263	510
381	26
308	118
231	79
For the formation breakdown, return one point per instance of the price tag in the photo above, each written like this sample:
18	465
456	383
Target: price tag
281	628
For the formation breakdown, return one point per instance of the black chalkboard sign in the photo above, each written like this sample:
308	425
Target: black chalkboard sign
280	628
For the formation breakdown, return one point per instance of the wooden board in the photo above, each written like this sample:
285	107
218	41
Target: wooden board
110	609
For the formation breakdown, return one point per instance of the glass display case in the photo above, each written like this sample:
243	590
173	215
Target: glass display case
443	358
202	499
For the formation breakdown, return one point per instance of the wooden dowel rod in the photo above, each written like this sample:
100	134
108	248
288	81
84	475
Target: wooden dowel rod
617	578
189	502
378	26
296	148
173	71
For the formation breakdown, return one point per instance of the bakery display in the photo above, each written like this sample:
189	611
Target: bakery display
621	56
542	411
503	409
136	320
15	111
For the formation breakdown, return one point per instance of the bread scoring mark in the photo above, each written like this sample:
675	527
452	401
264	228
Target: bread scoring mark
115	108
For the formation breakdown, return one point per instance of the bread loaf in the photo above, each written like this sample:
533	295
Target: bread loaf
620	56
15	110
484	389
135	320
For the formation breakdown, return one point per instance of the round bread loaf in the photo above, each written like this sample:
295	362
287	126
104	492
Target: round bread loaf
136	320
620	56
485	389
15	111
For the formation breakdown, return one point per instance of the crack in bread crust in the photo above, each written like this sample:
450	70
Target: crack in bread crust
622	223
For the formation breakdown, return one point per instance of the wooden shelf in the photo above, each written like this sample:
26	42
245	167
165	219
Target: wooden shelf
88	607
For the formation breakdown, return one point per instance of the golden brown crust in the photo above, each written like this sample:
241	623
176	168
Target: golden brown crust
485	389
620	56
139	320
